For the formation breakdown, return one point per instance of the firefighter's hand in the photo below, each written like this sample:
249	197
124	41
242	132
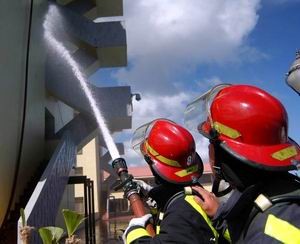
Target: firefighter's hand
145	188
210	202
141	222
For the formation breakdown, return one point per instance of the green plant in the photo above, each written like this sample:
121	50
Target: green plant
22	214
72	220
51	234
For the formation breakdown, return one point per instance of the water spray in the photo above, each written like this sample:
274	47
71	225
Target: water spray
65	54
126	182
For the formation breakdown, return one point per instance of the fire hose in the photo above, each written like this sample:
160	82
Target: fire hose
131	190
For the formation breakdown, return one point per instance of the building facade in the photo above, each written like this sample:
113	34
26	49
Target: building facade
46	116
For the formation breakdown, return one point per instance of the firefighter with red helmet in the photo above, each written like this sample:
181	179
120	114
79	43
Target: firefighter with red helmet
249	148
169	150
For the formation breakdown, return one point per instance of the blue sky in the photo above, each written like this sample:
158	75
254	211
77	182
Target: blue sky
277	36
177	51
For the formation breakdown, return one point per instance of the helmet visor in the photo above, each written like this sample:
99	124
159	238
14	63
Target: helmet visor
197	115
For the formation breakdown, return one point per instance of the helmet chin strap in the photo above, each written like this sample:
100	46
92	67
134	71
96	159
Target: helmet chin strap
148	159
216	187
219	176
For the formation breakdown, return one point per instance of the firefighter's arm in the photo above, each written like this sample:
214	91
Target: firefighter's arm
136	230
209	203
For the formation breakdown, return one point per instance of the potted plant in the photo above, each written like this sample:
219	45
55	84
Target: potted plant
51	234
72	221
25	230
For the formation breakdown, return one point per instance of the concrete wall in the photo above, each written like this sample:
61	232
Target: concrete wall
67	202
61	112
33	143
88	159
21	91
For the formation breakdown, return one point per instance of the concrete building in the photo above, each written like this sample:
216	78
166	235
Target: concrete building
46	117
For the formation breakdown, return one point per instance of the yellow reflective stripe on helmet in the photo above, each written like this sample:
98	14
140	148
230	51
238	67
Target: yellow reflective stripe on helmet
160	157
150	149
187	171
227	131
285	153
282	230
190	199
135	234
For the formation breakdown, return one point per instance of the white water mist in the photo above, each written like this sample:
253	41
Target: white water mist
53	14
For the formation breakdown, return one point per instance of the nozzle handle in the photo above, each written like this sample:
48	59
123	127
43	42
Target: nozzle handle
120	166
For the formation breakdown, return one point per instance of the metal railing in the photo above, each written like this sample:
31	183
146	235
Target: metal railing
89	209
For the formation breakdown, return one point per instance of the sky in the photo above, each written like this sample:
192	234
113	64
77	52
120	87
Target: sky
178	49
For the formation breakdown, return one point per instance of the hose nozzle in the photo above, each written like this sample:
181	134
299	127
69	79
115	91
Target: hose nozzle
120	166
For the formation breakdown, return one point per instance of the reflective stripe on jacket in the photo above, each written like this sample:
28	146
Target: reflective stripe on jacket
277	223
135	233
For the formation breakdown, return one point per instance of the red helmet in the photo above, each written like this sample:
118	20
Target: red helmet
249	123
171	150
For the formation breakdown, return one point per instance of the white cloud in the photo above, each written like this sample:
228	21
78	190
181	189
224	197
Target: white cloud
152	107
165	38
201	146
157	106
